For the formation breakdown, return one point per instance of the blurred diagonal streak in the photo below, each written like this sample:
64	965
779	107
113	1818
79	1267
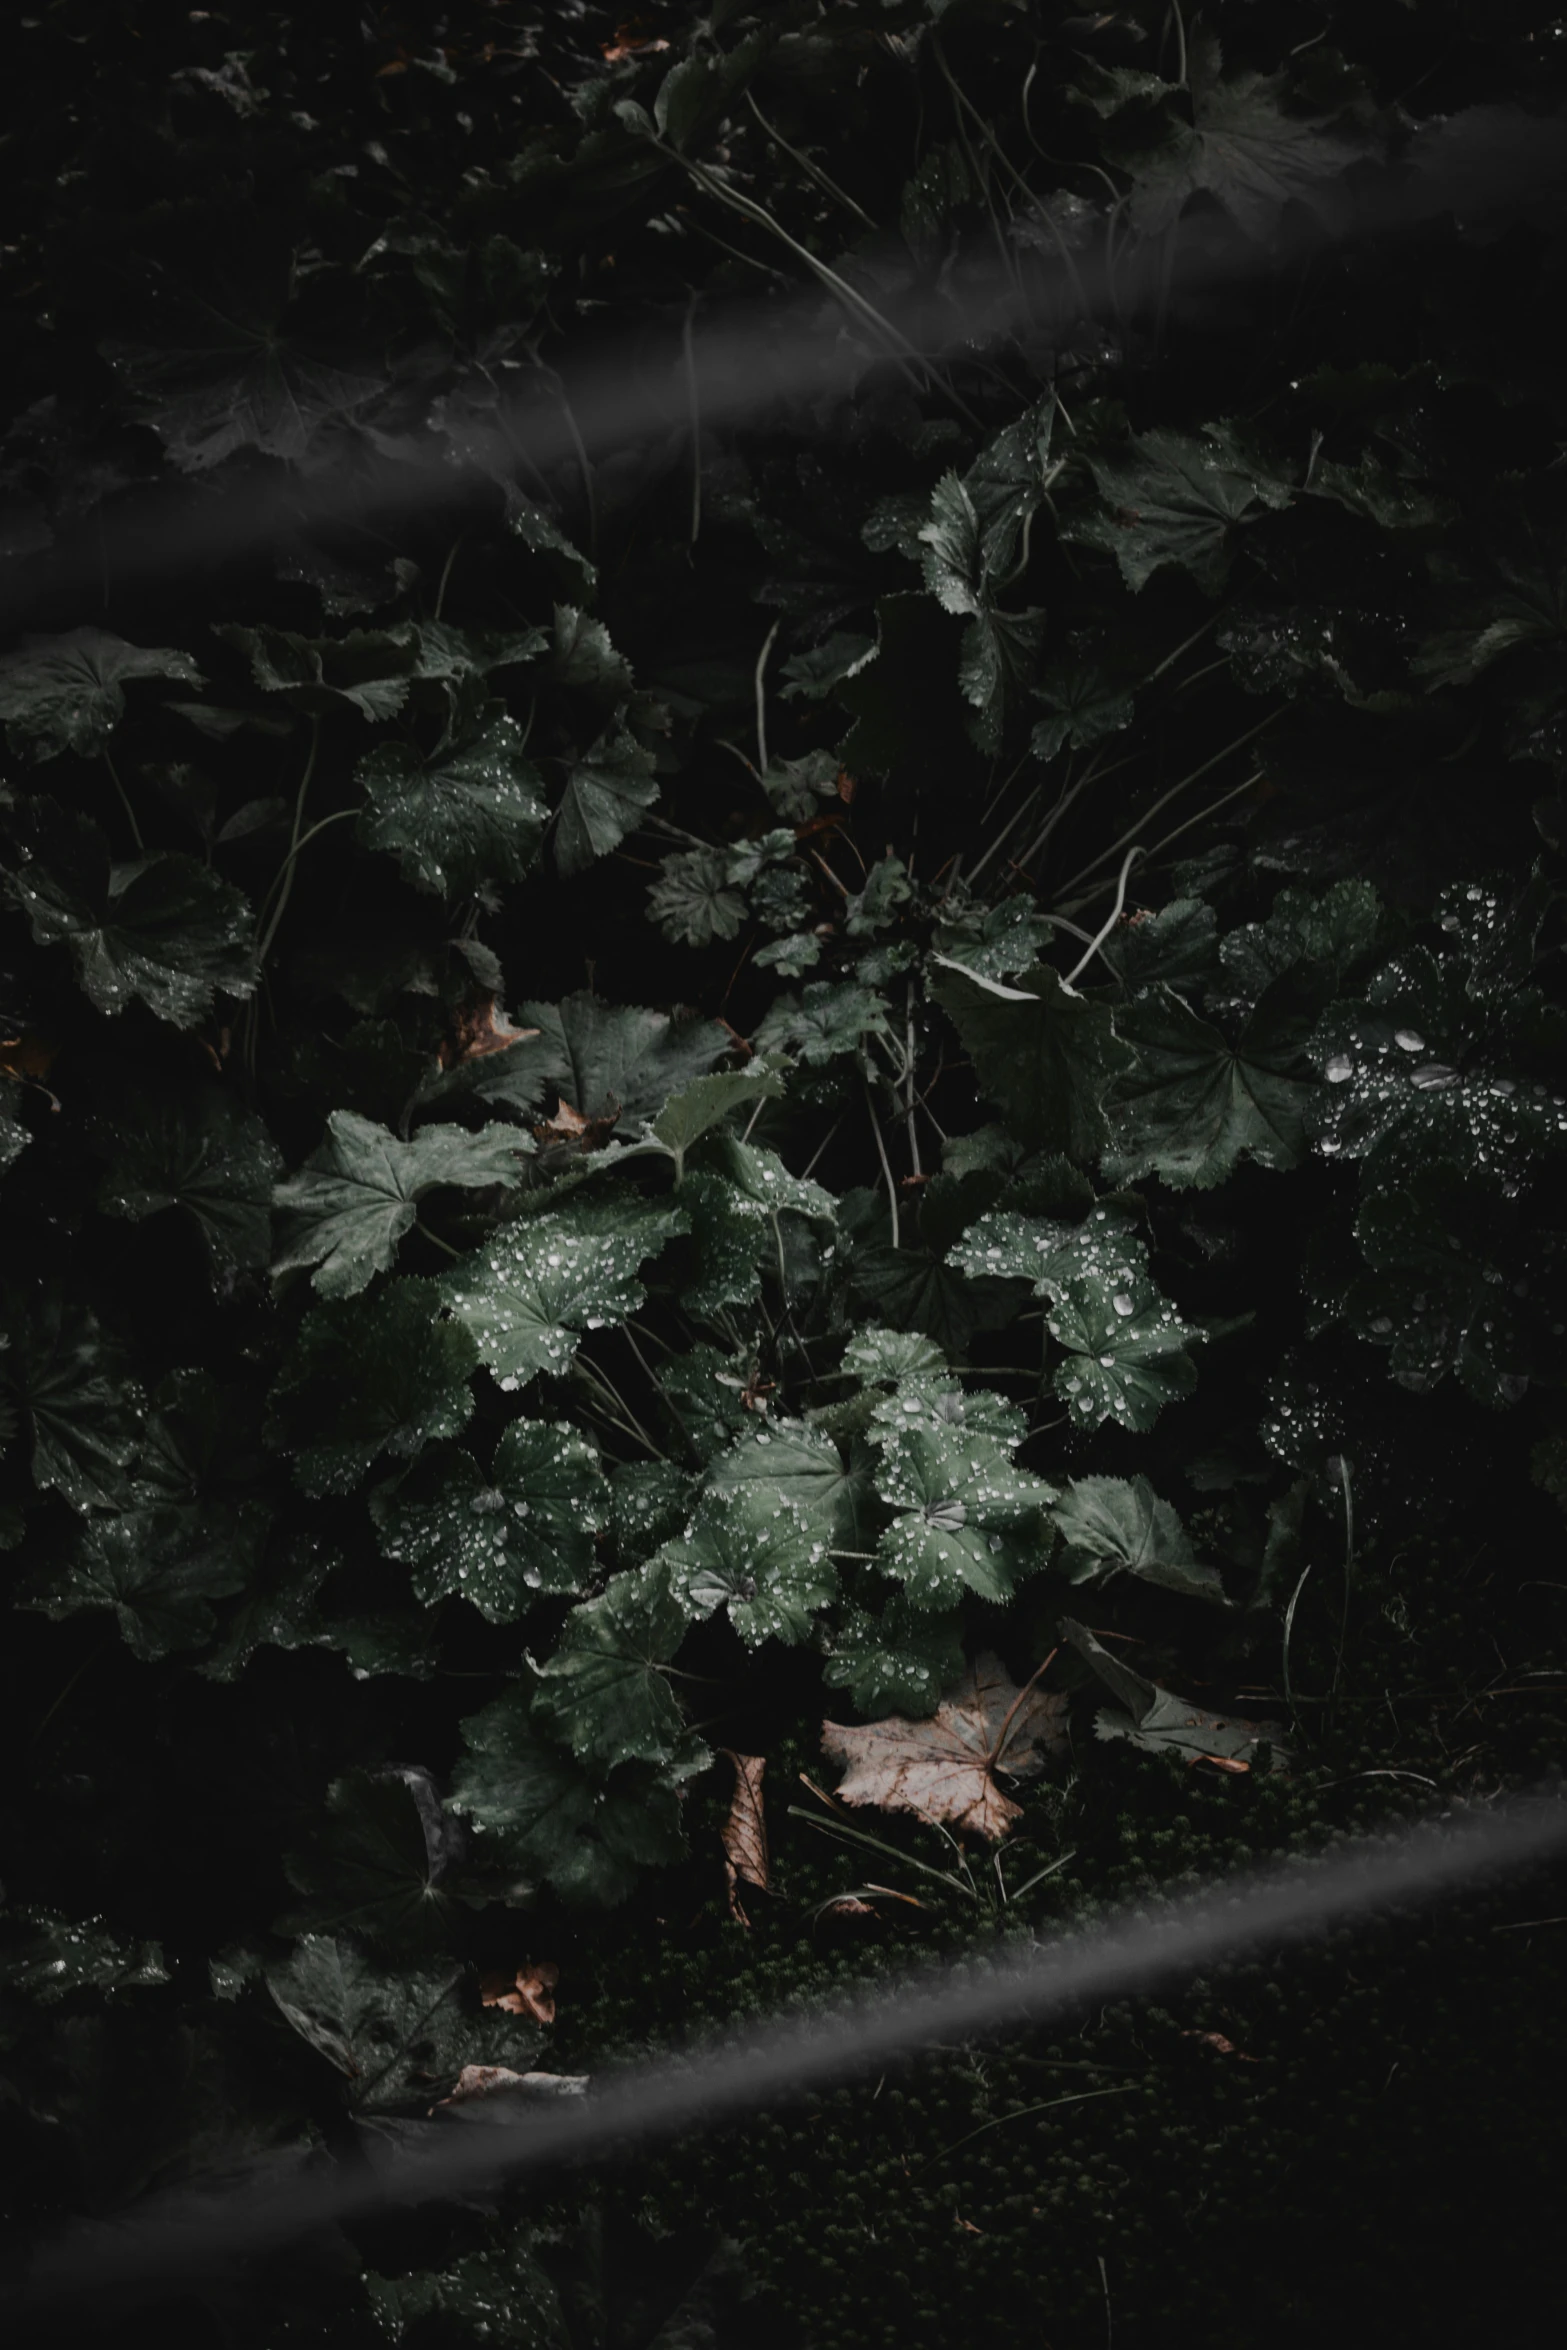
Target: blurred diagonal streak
198	2231
1489	167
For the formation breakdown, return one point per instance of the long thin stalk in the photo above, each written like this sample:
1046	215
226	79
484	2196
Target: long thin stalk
125	803
1114	916
284	882
761	696
886	1165
1164	800
812	170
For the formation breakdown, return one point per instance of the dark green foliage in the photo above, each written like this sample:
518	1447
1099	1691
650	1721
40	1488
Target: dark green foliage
683	1041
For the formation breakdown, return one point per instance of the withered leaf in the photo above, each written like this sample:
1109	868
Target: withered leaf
570	1126
480	1027
744	1832
944	1769
494	2093
530	1991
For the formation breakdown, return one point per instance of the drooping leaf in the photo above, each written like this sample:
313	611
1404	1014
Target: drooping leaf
467	815
67	693
1160	1722
1110	1525
706	1101
369	1375
945	1769
967	1520
756	1556
537	1285
163	928
498	1541
357	1195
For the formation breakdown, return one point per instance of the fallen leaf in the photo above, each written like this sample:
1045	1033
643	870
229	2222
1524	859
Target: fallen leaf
1217	2040
942	1770
744	1833
480	1027
846	1905
629	43
530	1991
568	1125
499	2095
1157	1720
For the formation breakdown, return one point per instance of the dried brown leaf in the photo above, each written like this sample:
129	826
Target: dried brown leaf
943	1769
744	1832
499	2094
568	1125
480	1027
1225	2047
530	1991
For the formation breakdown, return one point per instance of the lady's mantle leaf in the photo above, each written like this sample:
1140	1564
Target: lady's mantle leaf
968	1520
1241	147
367	670
356	1197
1044	1052
790	1461
1194	1105
51	1956
1124	1340
205	1153
755	1554
603	1057
604	1692
1109	1525
897	1662
157	1569
607	789
67	693
370	1375
375	1868
1162	1723
498	1540
943	1769
163	927
483	2298
529	1294
468	815
84	1413
398	2037
539	1811
1176	499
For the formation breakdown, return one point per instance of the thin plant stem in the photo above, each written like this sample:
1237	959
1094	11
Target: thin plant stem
284	883
812	170
886	1165
1114	916
446	573
1005	834
125	803
1349	1571
1165	798
1201	817
434	1238
821	1146
761	696
1026	2113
